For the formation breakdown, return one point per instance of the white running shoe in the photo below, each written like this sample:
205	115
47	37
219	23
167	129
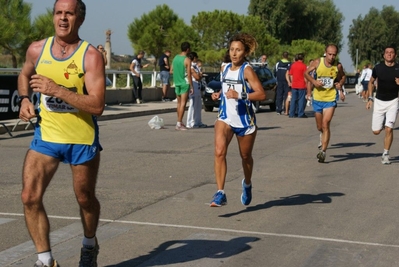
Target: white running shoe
385	159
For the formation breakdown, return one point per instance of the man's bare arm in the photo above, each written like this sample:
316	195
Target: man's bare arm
370	89
26	111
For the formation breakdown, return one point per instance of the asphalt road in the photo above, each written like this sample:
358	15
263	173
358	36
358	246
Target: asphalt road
155	186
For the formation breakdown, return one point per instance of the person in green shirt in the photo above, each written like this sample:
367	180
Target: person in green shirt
181	70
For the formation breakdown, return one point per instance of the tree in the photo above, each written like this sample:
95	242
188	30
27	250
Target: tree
216	28
310	49
158	30
43	26
391	18
266	43
15	28
369	35
287	20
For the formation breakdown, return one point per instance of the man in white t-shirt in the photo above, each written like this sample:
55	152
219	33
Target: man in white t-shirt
135	68
364	80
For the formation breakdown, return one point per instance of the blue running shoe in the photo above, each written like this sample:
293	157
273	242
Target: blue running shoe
246	195
219	199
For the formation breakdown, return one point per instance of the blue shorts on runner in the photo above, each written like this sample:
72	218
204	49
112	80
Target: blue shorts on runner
243	131
74	154
318	106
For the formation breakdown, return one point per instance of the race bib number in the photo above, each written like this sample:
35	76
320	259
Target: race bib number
54	104
328	82
232	85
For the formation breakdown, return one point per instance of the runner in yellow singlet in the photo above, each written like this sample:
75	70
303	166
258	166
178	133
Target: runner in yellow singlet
68	74
327	89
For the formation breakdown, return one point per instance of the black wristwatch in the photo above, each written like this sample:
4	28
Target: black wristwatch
20	98
244	95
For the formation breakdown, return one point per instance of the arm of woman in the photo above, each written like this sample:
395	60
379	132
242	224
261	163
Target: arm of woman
258	93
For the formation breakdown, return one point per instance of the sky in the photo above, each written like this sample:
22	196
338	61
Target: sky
116	15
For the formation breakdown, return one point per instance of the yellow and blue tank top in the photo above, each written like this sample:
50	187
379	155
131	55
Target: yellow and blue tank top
327	93
58	121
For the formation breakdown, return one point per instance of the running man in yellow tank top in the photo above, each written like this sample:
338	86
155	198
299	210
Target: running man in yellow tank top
328	85
68	74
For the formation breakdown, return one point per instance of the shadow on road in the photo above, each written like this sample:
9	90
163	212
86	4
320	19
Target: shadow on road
342	145
350	156
299	199
181	251
267	128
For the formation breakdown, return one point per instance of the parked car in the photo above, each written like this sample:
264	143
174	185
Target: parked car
266	78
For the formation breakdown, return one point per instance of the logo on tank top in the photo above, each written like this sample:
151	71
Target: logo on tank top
45	61
72	69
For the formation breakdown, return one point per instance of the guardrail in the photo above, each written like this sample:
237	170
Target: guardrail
114	73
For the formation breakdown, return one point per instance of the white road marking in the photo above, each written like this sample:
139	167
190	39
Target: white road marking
226	230
5	220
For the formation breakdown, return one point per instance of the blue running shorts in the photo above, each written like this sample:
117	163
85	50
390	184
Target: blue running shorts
244	131
318	106
74	154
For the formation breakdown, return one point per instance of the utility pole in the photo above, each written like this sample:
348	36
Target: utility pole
357	58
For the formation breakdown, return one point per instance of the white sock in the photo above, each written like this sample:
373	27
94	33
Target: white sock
222	191
178	124
46	258
89	242
386	152
247	185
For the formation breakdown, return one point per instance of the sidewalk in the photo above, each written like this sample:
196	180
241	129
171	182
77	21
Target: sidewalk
111	112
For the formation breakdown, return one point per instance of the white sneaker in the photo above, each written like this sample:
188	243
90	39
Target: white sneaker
40	264
182	127
138	101
385	159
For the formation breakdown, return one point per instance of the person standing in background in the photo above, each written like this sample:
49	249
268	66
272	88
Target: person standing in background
194	119
364	81
164	68
280	71
135	68
263	60
181	69
297	82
